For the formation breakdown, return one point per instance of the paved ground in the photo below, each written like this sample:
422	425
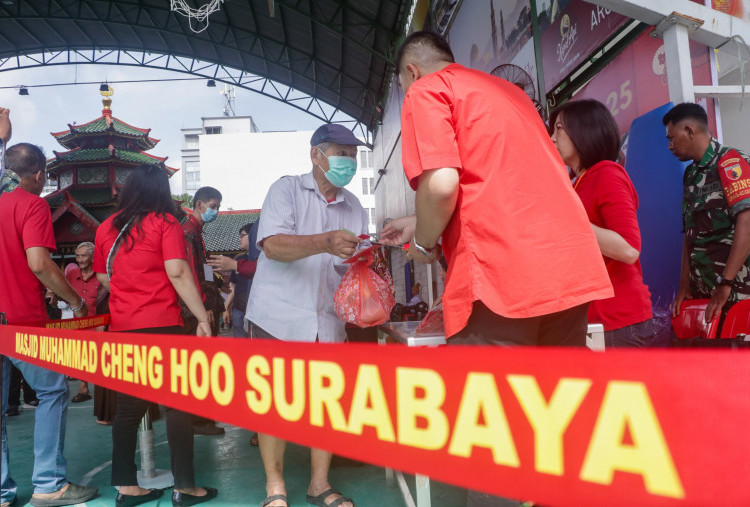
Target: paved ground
228	463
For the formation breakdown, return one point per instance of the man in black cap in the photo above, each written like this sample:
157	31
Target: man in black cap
308	227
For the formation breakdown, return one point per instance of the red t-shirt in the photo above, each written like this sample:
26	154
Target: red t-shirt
246	268
519	240
611	203
87	289
25	222
141	294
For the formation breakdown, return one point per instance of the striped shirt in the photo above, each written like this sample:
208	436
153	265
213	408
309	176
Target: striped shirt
293	301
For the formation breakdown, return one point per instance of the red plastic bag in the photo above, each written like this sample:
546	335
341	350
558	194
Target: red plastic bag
363	297
432	322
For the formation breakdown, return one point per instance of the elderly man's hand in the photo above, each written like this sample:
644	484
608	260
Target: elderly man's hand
341	243
222	263
5	127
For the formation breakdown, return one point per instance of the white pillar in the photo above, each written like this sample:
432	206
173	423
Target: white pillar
679	66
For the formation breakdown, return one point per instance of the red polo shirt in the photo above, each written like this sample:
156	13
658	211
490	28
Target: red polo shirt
88	289
25	222
141	294
611	202
519	239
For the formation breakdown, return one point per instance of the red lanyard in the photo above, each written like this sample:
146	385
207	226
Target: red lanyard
578	179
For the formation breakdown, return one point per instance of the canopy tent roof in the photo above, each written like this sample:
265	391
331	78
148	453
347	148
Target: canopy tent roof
338	52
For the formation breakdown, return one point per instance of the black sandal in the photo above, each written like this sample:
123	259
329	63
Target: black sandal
320	500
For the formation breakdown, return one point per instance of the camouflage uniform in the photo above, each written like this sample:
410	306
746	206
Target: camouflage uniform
9	181
715	190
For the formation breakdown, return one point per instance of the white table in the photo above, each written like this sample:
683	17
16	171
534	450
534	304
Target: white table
406	333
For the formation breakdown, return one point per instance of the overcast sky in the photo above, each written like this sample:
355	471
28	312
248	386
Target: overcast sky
165	107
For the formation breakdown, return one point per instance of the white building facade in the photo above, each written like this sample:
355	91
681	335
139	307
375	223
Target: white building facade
232	155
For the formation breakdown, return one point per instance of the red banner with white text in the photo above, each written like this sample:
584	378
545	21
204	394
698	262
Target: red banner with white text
556	426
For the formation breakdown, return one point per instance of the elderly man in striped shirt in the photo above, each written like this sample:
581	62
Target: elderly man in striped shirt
308	227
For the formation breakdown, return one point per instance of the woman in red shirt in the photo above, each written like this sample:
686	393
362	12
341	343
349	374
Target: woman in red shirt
140	256
588	140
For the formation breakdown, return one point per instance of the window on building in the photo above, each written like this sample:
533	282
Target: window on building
213	130
365	159
372	216
193	180
191	141
192	175
368	186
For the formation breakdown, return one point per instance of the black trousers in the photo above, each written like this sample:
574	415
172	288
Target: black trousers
565	329
130	411
561	329
16	382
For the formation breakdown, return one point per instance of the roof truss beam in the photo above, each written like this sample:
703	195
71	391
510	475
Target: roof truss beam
252	82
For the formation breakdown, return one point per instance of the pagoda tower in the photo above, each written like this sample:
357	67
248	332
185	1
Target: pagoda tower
100	156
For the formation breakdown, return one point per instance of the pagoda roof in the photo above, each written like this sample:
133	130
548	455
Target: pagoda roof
74	207
83	195
94	155
105	124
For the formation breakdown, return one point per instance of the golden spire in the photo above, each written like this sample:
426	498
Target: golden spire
107	101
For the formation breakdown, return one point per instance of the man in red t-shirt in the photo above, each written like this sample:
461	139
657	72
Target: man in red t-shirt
26	238
523	262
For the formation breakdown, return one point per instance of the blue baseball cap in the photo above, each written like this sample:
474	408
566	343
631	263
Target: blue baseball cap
334	133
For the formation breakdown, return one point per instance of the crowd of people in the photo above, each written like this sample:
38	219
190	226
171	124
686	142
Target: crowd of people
562	250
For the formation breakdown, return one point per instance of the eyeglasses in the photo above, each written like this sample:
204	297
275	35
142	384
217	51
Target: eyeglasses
243	234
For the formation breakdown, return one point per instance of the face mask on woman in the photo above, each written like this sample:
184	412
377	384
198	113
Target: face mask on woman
341	170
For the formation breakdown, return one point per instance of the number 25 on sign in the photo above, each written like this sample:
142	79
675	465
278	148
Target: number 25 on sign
617	102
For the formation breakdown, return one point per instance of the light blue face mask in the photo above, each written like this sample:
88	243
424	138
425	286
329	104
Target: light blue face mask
209	215
341	170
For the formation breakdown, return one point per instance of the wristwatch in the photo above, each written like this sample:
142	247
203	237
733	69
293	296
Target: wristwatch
720	280
421	249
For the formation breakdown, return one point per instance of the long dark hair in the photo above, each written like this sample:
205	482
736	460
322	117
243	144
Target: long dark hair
591	128
145	191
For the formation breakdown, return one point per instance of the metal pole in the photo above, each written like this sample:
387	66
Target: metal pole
146	444
148	475
679	66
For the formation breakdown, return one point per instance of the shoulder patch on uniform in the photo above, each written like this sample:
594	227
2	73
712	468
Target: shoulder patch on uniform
731	164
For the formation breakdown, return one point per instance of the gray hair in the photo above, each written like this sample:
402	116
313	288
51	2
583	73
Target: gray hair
89	245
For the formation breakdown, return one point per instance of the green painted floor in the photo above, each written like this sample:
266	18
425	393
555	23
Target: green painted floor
228	463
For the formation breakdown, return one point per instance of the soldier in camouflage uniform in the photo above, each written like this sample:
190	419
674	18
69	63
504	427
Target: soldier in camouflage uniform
716	194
